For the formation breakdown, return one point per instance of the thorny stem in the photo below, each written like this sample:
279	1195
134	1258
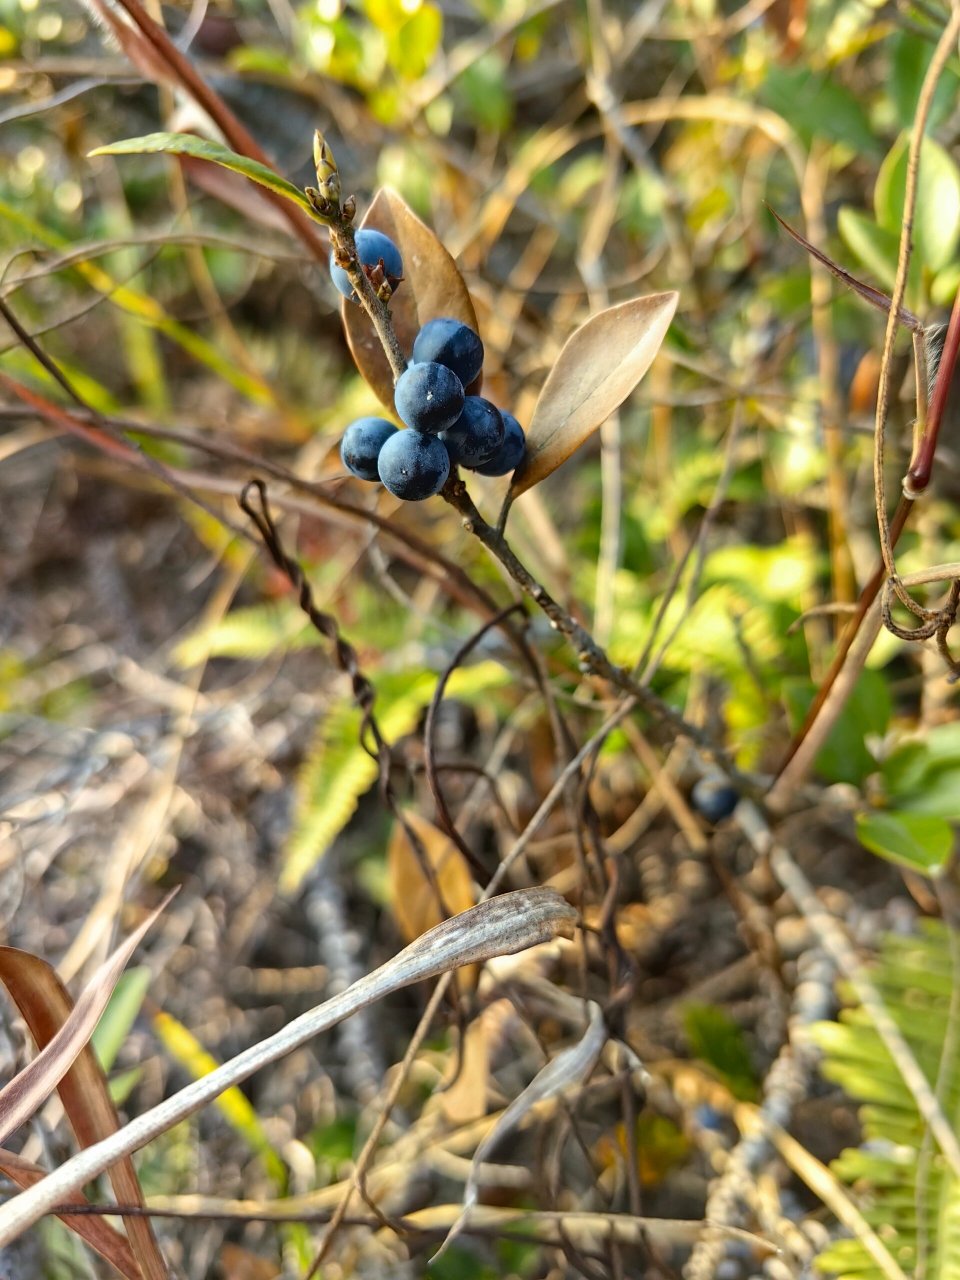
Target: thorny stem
342	241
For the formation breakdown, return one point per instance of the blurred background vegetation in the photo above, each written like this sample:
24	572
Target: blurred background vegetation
166	716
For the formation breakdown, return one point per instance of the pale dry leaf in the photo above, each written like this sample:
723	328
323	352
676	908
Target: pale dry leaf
599	366
569	1068
503	925
432	286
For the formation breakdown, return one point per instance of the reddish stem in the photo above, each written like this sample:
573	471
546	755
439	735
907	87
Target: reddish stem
921	468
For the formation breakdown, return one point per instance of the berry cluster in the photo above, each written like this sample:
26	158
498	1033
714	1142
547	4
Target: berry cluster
446	427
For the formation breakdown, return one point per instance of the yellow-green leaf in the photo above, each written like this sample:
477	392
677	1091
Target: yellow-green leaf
186	1049
188	144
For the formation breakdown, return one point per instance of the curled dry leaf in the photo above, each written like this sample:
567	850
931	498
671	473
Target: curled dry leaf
569	1068
500	926
432	286
599	366
62	1030
93	1231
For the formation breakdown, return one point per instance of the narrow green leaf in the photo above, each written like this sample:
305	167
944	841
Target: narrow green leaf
119	1016
187	144
936	227
913	840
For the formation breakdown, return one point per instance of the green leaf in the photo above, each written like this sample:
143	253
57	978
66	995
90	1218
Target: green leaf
937	794
936	226
414	46
819	106
877	249
716	1039
120	1014
845	756
912	840
187	144
483	94
908	65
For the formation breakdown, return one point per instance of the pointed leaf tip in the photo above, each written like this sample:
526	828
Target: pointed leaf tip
188	144
599	366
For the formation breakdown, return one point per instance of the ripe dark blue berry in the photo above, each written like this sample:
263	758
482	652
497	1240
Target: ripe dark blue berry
452	343
714	798
413	465
477	434
429	397
361	445
508	456
372	248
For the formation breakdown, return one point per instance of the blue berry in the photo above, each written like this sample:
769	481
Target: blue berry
714	798
413	465
429	397
477	434
361	445
452	343
373	247
508	456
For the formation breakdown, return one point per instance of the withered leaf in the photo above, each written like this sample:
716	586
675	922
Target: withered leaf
432	286
412	893
94	1231
66	1061
600	364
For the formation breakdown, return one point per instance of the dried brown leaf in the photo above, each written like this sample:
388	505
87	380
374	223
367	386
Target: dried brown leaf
501	926
93	1231
412	893
432	286
599	366
66	1062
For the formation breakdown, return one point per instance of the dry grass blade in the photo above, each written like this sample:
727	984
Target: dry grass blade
570	1067
432	286
62	1030
581	1227
95	1232
504	925
599	366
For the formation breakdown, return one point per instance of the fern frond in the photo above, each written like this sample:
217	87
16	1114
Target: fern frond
908	1194
254	632
338	770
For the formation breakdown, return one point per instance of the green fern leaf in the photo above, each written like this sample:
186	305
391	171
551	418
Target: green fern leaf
913	1202
338	771
254	632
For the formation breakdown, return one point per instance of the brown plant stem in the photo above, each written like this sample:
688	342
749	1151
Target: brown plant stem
592	658
236	134
867	596
342	240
